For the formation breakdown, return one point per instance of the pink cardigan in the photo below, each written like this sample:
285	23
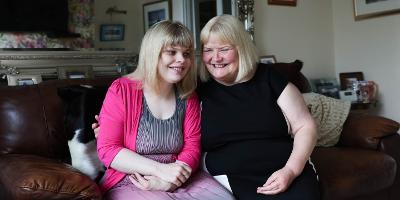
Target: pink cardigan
119	119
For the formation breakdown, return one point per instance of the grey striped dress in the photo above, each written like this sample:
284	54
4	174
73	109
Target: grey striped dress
159	139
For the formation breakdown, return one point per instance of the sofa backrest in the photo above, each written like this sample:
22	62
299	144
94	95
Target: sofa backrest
292	72
22	121
32	118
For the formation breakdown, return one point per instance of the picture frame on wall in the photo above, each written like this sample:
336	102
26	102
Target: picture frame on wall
325	86
154	12
74	72
283	2
270	59
112	32
347	79
364	9
23	79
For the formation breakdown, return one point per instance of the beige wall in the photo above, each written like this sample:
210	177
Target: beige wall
324	34
303	32
373	47
133	21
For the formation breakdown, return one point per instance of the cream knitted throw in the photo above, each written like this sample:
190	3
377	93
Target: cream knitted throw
329	114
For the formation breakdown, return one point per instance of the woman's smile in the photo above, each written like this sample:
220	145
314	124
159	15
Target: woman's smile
177	68
219	65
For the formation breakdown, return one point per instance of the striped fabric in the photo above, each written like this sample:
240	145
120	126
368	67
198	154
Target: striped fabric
159	139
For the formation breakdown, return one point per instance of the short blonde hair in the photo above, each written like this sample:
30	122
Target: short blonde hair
158	37
229	29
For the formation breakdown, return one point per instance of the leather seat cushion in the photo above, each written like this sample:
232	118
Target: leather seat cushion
348	172
34	177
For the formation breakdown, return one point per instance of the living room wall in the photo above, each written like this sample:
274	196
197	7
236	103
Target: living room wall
324	34
373	47
303	32
132	20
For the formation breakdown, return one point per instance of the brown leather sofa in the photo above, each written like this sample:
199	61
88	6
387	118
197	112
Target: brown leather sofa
34	152
33	146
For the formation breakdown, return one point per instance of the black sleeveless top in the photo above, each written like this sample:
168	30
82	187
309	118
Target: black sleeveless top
243	128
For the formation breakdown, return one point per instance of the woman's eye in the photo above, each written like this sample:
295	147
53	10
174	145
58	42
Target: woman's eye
170	52
186	55
207	50
225	49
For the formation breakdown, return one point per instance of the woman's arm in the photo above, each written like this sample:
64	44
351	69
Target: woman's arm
130	162
151	183
302	125
191	150
305	136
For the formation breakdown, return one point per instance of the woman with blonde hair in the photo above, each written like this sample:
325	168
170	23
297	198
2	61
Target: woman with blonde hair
249	113
149	139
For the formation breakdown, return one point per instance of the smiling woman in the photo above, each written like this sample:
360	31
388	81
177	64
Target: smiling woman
144	161
174	63
240	86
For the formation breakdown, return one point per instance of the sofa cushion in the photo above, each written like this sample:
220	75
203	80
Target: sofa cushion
329	115
346	173
26	177
81	104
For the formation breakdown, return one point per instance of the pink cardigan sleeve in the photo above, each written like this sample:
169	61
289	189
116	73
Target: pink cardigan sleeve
191	151
111	137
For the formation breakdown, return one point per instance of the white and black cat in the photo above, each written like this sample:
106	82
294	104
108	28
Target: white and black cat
81	104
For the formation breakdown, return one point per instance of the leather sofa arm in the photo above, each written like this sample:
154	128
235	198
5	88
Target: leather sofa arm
25	176
391	145
346	172
366	131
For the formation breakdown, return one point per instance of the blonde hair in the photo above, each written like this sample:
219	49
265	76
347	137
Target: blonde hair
158	37
229	29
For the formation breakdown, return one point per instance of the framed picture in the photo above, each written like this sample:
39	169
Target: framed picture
347	79
112	32
325	86
364	9
156	11
283	2
267	59
23	79
73	72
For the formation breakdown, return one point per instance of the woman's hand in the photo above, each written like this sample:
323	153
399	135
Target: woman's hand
96	126
278	182
151	183
176	173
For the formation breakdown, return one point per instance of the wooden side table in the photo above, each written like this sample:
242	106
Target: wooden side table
361	107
